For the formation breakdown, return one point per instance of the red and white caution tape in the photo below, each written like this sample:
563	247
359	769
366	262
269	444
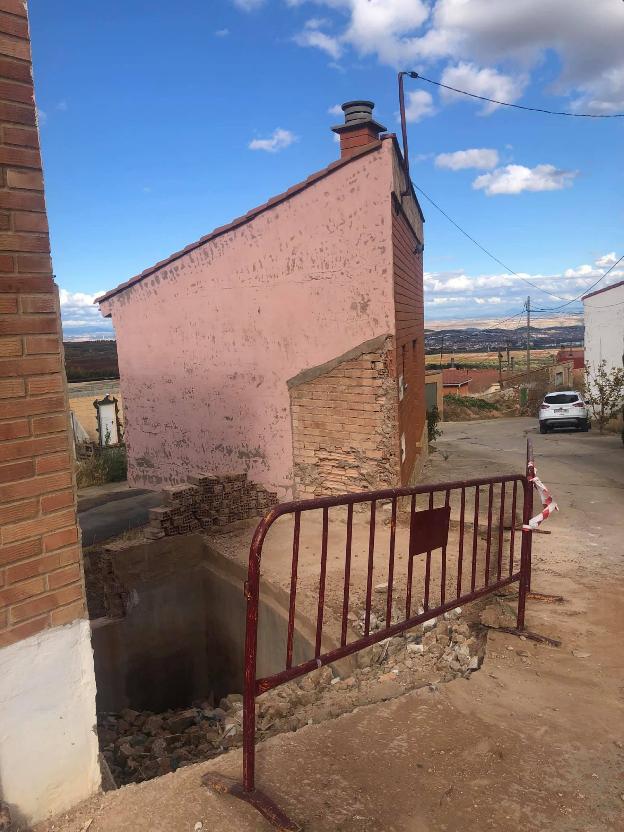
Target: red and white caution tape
548	504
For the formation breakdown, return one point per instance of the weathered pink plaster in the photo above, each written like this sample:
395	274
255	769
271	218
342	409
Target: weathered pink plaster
207	343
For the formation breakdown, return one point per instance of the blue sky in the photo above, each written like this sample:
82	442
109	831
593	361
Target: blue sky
160	122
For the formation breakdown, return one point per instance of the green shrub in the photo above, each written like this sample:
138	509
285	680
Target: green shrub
469	401
108	465
433	418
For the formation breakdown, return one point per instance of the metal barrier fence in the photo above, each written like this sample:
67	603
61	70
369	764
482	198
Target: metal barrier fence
455	539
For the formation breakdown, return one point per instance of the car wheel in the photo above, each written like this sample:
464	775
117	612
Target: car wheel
543	428
585	426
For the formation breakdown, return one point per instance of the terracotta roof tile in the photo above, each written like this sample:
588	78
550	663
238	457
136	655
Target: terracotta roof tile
454	376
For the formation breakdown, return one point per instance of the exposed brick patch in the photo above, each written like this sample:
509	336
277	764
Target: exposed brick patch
209	502
345	424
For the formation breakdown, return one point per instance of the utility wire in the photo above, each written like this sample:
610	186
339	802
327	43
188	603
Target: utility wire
489	253
516	106
585	292
494	328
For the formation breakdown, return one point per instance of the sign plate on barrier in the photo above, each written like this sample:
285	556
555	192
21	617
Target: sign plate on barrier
429	530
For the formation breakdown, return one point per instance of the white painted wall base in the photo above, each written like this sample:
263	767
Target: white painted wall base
48	743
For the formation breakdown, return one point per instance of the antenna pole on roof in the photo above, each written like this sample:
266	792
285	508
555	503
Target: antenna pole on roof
528	336
402	74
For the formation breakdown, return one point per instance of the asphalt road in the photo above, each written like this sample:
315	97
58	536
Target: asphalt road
115	513
583	471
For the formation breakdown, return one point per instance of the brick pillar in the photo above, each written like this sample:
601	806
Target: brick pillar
41	581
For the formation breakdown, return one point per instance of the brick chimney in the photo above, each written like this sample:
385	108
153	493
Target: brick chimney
359	128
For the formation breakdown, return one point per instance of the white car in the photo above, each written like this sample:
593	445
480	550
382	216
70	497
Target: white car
564	408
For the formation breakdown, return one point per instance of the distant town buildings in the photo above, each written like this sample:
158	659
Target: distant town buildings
456	381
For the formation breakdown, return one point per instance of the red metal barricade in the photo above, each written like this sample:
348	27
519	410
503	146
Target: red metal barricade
484	560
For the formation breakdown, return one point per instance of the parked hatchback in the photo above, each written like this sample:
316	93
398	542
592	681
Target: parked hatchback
565	408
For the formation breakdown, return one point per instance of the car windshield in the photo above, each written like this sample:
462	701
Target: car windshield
561	398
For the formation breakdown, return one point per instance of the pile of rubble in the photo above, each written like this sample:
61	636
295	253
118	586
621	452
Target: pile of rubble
138	746
208	502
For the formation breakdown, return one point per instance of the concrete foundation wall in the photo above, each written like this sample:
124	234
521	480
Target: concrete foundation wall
204	383
48	747
183	632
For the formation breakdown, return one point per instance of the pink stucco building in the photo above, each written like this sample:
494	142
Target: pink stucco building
288	343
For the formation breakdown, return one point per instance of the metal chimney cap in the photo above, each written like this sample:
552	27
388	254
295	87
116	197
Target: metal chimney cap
358	111
358	114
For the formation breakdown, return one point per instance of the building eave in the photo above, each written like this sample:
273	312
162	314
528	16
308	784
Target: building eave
243	220
601	291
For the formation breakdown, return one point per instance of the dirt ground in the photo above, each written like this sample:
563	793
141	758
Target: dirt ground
532	741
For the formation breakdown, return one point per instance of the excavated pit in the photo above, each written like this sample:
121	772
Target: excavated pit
175	628
168	621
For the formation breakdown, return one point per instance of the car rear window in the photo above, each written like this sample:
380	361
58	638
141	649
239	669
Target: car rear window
561	398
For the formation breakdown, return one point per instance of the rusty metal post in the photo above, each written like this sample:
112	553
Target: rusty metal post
530	472
252	594
525	554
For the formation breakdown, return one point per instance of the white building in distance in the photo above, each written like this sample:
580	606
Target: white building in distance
604	326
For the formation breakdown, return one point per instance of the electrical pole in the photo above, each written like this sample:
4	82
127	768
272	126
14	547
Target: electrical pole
441	351
528	335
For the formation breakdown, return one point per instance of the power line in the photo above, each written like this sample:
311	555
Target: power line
585	292
516	106
489	253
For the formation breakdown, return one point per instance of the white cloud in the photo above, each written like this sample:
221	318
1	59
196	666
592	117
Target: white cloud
481	81
481	158
604	94
317	23
335	110
326	43
514	179
384	27
582	271
279	140
222	33
248	5
79	312
459	294
42	117
78	300
607	260
584	35
418	105
62	106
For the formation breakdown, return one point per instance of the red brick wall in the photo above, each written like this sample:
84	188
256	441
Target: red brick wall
344	423
40	560
410	347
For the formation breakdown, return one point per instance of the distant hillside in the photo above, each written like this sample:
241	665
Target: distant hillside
473	339
91	360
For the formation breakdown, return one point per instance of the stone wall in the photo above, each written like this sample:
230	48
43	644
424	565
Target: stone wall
344	422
